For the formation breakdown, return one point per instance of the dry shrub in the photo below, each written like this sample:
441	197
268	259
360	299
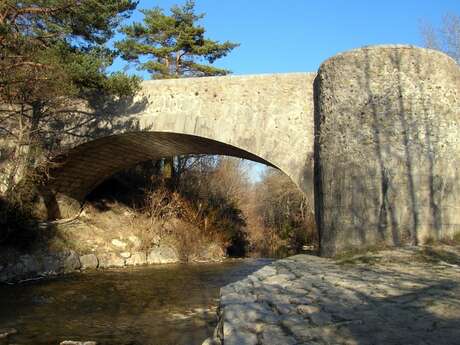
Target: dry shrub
173	219
161	204
213	201
160	207
280	217
148	231
192	243
456	238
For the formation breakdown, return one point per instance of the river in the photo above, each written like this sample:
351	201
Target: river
156	305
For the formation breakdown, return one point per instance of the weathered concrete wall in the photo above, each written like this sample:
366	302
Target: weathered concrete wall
266	118
387	148
269	116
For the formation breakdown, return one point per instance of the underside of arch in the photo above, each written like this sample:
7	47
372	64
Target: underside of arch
86	166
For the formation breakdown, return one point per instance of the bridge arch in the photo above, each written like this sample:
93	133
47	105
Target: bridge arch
263	118
84	167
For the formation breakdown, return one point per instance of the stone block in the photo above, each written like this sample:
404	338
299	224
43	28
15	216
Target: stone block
163	254
71	262
136	259
89	261
107	260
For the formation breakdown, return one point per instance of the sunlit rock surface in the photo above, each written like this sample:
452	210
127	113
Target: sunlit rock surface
407	296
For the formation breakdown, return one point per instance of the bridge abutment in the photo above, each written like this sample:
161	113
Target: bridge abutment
387	150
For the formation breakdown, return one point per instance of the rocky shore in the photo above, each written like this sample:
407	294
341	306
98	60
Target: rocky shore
5	333
44	264
407	296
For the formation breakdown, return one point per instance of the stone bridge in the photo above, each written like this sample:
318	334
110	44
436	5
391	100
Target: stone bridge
265	118
375	134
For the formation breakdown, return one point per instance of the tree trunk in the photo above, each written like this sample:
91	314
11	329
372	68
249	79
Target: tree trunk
27	150
34	138
169	172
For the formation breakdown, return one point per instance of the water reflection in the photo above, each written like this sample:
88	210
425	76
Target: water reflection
173	304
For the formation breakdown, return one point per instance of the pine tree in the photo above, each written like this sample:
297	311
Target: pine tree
173	46
52	52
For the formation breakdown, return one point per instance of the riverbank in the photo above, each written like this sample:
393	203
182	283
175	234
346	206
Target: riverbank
405	296
112	238
45	264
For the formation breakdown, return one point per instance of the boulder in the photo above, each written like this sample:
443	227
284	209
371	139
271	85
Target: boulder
211	341
135	241
71	262
137	258
5	333
212	252
51	264
29	264
111	260
119	244
17	270
89	261
163	254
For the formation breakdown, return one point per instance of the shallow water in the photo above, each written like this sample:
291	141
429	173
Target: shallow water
156	305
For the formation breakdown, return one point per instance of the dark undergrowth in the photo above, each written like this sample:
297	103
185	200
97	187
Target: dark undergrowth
18	224
438	255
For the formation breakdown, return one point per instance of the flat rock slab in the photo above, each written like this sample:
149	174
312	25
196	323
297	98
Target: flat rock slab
400	298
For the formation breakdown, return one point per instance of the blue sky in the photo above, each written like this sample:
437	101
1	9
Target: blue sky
279	36
297	35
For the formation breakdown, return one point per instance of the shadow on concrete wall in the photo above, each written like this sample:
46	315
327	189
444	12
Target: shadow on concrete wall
378	153
104	115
